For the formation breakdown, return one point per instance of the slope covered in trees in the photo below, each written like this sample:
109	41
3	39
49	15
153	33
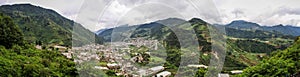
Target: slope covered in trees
46	26
281	63
21	59
10	34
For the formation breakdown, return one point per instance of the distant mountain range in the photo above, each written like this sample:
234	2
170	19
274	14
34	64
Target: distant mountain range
46	26
238	29
250	26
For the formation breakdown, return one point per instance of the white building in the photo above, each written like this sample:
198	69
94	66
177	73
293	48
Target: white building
164	74
101	68
198	66
236	71
157	68
113	65
223	75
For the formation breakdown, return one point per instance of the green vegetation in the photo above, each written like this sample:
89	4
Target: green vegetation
32	25
140	54
281	63
19	59
31	62
244	48
252	34
253	46
10	34
45	26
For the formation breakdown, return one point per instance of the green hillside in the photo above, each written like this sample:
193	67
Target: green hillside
281	63
241	52
21	59
45	26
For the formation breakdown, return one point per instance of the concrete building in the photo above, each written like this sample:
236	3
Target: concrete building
113	65
223	75
101	68
198	66
236	71
164	74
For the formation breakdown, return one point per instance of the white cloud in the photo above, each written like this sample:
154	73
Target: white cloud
99	14
264	12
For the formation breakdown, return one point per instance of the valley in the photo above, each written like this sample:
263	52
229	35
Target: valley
36	41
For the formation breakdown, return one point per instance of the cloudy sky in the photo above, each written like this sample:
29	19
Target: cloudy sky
99	14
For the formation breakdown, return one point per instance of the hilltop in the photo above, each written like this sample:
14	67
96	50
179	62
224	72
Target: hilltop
45	26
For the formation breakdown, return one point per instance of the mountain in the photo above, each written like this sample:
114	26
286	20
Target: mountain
45	26
250	26
157	30
255	34
151	30
288	29
242	25
246	45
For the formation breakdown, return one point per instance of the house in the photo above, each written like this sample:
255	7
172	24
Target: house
236	71
223	75
38	47
154	70
164	74
198	66
113	65
101	68
60	48
68	55
157	68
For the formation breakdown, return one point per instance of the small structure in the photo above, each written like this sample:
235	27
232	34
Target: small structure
38	47
157	68
68	55
164	74
113	65
154	70
198	66
142	72
101	68
60	48
223	75
236	71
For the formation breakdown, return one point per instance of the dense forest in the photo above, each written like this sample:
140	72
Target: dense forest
46	27
281	63
18	58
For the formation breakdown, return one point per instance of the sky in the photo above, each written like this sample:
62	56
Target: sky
101	14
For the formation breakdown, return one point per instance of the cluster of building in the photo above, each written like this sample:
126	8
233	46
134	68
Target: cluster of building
113	54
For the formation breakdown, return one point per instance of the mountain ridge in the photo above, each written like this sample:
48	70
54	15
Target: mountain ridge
46	26
246	25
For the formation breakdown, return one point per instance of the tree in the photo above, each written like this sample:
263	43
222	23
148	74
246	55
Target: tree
10	34
282	63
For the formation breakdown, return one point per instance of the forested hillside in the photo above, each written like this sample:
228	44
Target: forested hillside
45	26
19	58
281	63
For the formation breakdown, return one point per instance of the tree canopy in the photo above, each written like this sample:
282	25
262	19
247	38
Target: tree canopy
10	34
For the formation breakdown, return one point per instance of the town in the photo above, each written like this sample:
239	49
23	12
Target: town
116	56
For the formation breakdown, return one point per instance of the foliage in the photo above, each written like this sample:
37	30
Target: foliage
201	72
45	26
10	34
140	52
19	59
246	49
258	34
31	62
282	63
252	46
